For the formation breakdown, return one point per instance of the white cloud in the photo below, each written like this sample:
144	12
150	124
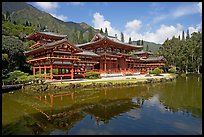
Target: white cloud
61	17
47	6
159	36
200	7
75	3
100	22
133	25
195	29
51	7
178	12
185	10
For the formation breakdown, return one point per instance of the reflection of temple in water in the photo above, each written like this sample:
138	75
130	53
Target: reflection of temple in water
66	109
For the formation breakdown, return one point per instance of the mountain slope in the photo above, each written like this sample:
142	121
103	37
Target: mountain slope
152	46
21	12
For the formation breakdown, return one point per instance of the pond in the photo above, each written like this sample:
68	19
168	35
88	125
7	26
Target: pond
170	108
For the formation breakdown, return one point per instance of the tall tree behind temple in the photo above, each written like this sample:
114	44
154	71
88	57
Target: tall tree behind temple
101	31
142	43
122	37
186	55
106	32
183	37
130	41
187	34
138	42
147	48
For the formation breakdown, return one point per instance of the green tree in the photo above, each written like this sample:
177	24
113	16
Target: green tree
184	55
130	41
147	48
106	32
142	43
122	37
101	31
183	37
187	34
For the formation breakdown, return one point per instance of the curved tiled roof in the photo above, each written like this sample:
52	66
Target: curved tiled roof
53	34
89	53
142	52
152	58
111	38
47	45
46	33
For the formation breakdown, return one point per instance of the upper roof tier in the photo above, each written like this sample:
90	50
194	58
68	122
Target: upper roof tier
45	35
101	41
142	52
60	43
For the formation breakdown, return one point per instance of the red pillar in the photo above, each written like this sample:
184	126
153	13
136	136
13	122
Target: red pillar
72	72
33	70
45	71
51	72
40	69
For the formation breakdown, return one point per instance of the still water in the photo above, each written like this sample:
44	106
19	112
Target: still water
171	108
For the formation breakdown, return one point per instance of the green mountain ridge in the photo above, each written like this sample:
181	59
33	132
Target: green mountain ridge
153	47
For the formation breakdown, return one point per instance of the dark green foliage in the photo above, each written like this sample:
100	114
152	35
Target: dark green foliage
187	34
13	76
185	55
130	41
106	32
183	37
147	48
101	31
92	75
138	42
122	37
142	42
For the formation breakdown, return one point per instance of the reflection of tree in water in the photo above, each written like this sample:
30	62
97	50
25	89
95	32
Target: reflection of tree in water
106	110
182	95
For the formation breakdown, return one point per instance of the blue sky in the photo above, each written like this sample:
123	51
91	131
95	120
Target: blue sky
151	21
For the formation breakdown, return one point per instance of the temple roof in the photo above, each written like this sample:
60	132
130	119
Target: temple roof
153	58
102	38
142	52
49	45
60	62
88	53
36	35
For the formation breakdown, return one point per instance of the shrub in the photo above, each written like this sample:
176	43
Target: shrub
13	76
172	70
156	71
92	75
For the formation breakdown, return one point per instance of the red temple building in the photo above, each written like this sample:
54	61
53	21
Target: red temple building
105	54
